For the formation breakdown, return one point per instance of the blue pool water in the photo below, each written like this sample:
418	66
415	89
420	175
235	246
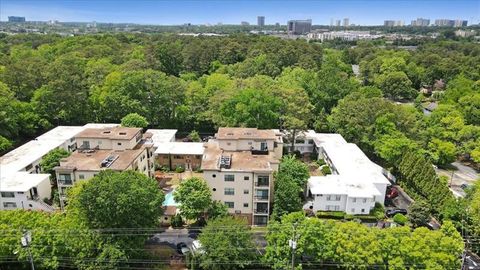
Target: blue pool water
169	201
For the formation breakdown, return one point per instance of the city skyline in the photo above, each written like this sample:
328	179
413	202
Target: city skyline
370	12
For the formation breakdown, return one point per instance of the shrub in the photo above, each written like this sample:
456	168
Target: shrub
177	221
378	211
179	169
366	218
400	219
320	162
331	214
326	170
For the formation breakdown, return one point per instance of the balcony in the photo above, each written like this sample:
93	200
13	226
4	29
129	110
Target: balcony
262	183
65	182
261	211
259	152
261	197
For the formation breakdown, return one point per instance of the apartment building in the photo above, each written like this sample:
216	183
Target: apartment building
356	183
22	183
238	165
113	148
187	155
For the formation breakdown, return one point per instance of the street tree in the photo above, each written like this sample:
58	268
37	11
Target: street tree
194	197
227	243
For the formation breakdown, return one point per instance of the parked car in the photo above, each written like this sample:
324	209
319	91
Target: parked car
393	212
392	193
182	248
197	247
464	186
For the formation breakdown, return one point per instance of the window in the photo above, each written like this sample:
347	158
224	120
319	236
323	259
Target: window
364	200
261	194
310	141
9	205
119	143
214	175
81	176
229	143
249	143
177	157
65	179
338	197
245	205
363	210
8	195
246	191
229	191
246	178
229	177
353	210
230	204
263	180
354	200
214	189
328	199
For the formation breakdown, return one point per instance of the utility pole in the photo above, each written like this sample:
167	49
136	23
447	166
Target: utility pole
293	244
26	240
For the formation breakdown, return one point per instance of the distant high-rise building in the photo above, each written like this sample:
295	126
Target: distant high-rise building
460	23
331	21
261	20
16	19
299	27
391	23
338	23
346	22
244	23
421	22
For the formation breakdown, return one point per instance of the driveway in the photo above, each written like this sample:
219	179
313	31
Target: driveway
461	175
172	237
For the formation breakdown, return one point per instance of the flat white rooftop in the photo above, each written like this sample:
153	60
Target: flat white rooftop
180	148
162	135
339	185
22	181
349	160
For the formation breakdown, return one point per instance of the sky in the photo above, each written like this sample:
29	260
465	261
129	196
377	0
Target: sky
165	12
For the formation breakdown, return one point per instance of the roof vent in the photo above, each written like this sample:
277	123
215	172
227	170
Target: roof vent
229	134
225	162
247	133
106	132
108	161
122	133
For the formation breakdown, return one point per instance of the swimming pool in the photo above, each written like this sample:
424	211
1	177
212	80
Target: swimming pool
169	201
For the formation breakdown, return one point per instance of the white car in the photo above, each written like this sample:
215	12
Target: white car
197	247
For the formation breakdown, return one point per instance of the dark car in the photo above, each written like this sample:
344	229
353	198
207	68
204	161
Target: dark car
393	212
182	248
193	233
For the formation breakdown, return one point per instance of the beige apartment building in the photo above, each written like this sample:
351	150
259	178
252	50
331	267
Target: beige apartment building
113	148
238	165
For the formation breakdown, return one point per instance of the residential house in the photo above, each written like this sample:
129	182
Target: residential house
239	165
356	183
22	183
113	148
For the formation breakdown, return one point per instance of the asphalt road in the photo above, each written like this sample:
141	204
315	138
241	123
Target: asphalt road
461	175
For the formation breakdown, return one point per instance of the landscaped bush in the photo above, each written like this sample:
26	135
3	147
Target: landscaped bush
179	169
326	170
366	218
320	162
400	219
331	214
378	211
177	221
